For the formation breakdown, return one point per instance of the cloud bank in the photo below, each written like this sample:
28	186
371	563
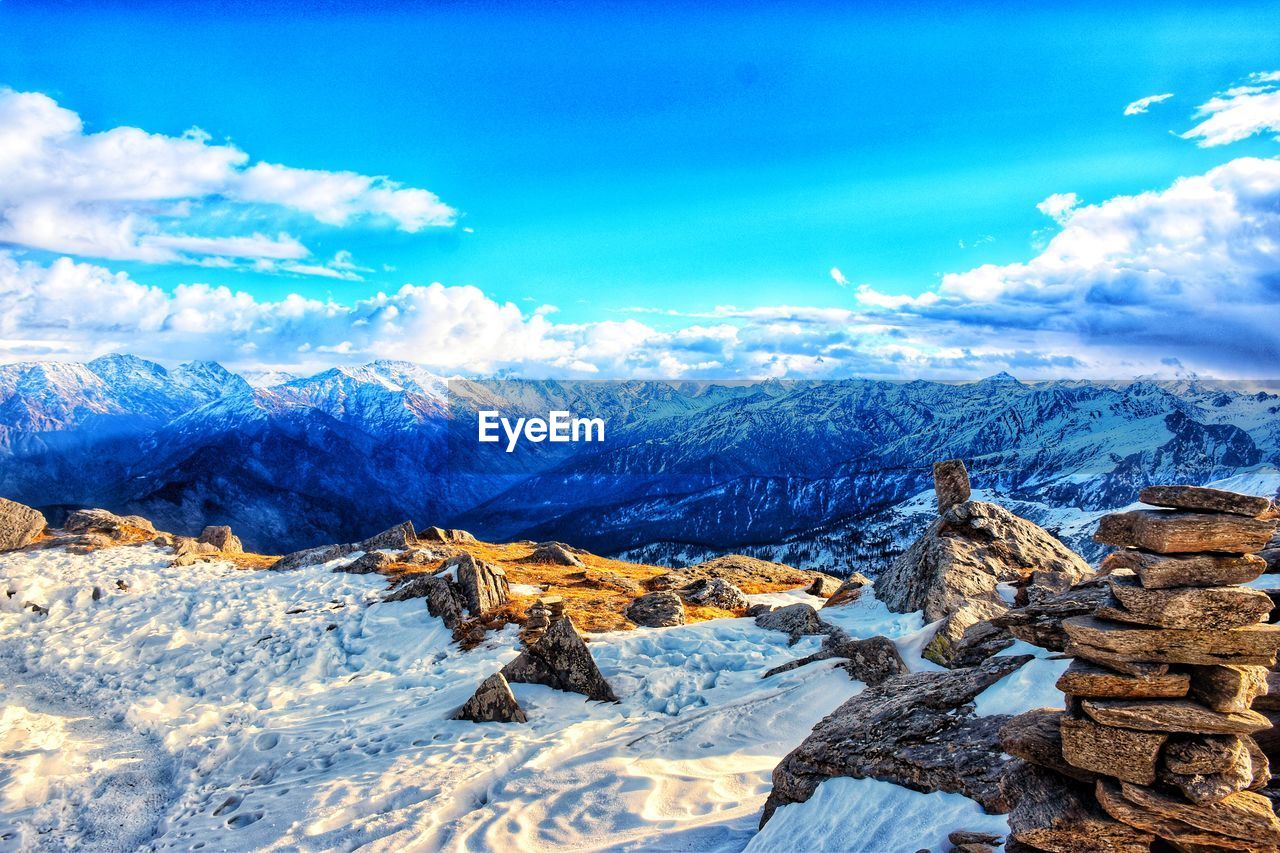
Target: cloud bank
1240	112
125	194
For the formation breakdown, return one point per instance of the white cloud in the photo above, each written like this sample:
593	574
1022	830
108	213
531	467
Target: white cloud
1141	105
125	194
838	277
1239	112
1059	206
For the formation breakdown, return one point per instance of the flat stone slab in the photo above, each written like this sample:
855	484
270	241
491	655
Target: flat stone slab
1172	715
1195	608
1176	532
1089	681
1157	571
1121	753
1228	688
1248	645
1246	815
1158	819
1204	755
1203	499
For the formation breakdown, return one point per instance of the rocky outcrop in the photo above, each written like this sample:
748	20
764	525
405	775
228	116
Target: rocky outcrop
560	660
554	553
115	527
221	537
440	534
714	592
493	702
953	571
916	730
737	569
872	661
1159	697
398	538
661	609
794	620
824	586
850	590
20	525
368	563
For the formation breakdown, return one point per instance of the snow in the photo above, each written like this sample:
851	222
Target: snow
869	816
1032	685
294	710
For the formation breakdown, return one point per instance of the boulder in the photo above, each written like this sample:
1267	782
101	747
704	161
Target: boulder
953	570
187	551
824	586
872	661
368	563
493	702
443	601
553	553
661	609
561	660
221	537
979	642
741	570
795	620
916	730
1156	571
20	525
441	534
1202	499
849	590
613	581
950	483
1177	532
482	586
108	524
714	592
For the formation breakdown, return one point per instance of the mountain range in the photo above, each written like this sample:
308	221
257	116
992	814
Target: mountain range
829	474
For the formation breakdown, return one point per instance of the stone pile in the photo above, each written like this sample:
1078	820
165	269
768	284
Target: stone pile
1158	721
539	617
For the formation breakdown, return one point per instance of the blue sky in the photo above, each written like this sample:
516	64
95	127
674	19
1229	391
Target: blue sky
600	157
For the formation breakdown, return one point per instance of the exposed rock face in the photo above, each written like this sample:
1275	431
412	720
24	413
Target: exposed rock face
950	483
1160	707
561	660
661	609
554	553
739	570
714	592
824	586
221	537
108	524
493	702
440	534
952	571
367	564
917	730
398	538
848	591
873	660
20	525
795	620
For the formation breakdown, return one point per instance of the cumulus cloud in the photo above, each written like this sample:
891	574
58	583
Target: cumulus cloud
838	277
125	194
1141	105
1059	206
1239	112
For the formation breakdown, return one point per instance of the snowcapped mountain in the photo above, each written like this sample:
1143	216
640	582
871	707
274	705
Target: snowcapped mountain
820	473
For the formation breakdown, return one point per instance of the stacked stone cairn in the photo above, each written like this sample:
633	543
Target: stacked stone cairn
1158	713
539	617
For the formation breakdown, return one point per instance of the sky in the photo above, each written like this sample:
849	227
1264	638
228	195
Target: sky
672	190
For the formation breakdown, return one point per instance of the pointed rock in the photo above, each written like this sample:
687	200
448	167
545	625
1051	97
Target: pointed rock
493	702
483	586
848	591
561	660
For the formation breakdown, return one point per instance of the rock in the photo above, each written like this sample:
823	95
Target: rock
670	580
824	586
1251	644
188	551
1197	607
493	702
367	563
760	609
1185	835
980	641
1228	688
1270	700
1172	715
443	601
440	534
661	609
1109	751
1056	814
1207	788
962	836
311	557
221	537
412	586
1204	754
715	592
871	661
1202	499
1041	623
1271	558
741	570
1087	680
20	525
1246	815
560	660
1043	586
1113	661
616	582
950	484
1203	570
1259	762
848	591
483	586
952	571
109	524
916	730
796	620
1176	532
1036	736
398	538
553	553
